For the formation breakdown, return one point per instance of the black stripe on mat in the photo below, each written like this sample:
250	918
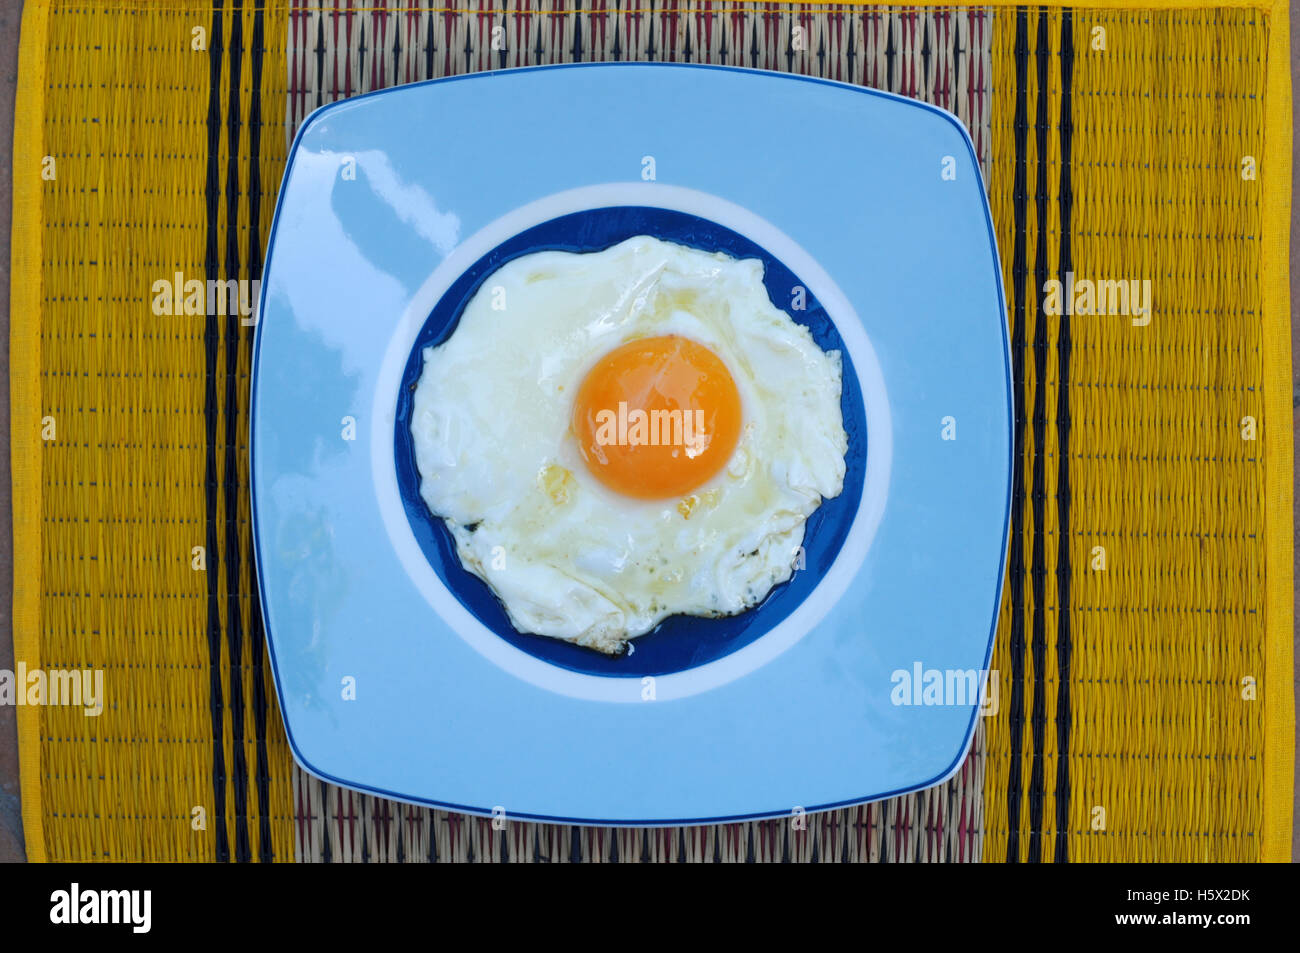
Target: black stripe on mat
217	817
1063	635
1016	715
256	636
1038	723
230	477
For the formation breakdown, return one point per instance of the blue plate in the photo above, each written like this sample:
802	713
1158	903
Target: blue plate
398	672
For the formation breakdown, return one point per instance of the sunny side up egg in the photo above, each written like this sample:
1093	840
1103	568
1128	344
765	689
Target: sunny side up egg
615	437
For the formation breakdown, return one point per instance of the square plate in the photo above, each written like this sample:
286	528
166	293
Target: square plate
394	676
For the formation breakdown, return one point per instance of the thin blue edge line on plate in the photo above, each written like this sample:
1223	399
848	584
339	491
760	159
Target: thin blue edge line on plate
679	642
667	822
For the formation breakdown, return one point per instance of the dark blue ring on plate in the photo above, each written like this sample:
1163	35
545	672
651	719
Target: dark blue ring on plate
679	642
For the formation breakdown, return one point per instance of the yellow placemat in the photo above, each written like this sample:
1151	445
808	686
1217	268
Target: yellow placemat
1144	651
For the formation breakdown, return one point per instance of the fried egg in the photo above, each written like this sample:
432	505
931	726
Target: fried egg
619	436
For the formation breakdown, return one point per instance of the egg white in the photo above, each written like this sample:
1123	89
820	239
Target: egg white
499	463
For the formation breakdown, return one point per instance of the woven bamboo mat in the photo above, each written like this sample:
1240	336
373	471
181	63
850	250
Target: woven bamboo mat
1144	647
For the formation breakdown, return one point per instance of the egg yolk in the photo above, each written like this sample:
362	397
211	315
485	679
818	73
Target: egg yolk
657	417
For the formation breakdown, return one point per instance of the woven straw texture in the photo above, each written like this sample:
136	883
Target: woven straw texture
1143	652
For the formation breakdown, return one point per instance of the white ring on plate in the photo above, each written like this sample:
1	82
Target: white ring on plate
766	647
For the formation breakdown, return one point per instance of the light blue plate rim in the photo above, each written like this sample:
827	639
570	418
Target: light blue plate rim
871	797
